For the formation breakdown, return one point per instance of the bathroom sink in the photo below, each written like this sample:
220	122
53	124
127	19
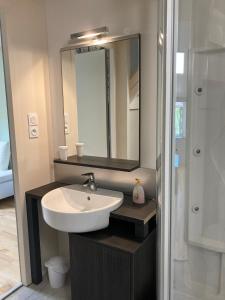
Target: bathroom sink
74	208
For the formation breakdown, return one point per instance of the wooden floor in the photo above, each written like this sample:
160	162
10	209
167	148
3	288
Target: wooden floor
9	258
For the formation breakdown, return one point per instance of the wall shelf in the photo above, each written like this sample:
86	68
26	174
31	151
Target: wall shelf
101	162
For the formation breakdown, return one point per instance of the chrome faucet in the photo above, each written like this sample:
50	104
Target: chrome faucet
90	182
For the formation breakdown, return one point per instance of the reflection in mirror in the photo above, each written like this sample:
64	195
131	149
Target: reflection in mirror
102	99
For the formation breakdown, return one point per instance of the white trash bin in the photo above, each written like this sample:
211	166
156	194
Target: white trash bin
57	269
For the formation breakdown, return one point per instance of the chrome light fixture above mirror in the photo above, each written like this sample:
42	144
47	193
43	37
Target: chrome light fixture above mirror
96	33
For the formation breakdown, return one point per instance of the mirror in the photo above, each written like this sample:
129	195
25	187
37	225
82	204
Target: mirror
101	94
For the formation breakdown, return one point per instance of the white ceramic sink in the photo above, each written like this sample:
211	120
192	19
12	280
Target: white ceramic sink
76	209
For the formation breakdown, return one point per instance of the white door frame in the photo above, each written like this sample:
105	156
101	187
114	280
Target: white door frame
164	170
22	234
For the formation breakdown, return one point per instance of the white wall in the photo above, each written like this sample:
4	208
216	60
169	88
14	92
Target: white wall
25	27
122	17
4	128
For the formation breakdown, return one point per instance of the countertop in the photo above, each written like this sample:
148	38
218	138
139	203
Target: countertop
129	211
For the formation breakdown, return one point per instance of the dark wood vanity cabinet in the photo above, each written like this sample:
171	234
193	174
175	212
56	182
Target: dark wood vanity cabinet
117	263
108	267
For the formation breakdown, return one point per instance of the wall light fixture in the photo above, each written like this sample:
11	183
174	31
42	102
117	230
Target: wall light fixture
90	34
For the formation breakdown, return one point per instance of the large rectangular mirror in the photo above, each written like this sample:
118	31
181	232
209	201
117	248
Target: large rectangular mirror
101	93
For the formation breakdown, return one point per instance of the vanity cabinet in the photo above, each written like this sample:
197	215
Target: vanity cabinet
105	266
118	263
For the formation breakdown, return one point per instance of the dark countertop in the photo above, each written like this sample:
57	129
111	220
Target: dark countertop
128	211
135	212
39	192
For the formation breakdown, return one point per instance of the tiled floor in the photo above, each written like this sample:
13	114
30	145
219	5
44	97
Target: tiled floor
9	257
41	292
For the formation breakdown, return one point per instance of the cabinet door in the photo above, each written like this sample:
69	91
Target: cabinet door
99	272
144	265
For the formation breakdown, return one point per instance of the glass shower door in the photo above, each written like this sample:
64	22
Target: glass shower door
198	147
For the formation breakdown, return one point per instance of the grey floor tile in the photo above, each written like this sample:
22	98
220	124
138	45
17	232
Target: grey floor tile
42	291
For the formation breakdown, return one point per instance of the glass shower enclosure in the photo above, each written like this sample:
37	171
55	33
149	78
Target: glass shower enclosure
196	254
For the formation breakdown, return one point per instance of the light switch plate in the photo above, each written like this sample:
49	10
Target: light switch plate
33	132
67	123
32	119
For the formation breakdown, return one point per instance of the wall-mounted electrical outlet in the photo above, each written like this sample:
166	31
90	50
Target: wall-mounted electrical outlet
33	132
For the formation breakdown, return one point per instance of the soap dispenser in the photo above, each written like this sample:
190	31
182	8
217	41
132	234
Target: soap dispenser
138	193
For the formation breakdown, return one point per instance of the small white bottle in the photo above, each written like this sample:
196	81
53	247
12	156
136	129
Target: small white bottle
138	193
